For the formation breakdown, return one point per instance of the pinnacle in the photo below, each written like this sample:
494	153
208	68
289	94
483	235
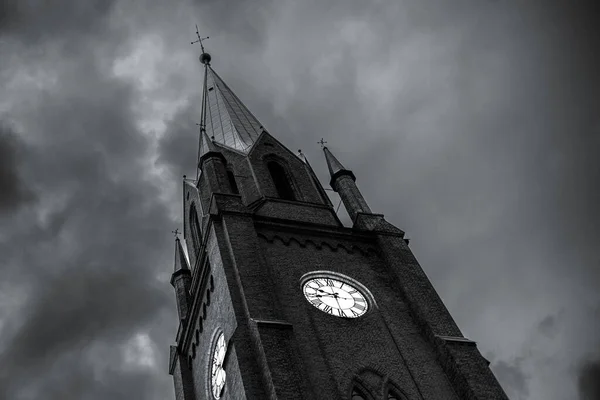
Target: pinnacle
181	262
332	163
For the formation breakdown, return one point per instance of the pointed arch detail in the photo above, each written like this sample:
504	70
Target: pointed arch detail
281	180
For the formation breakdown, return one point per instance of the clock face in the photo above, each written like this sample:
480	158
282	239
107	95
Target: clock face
335	297
217	372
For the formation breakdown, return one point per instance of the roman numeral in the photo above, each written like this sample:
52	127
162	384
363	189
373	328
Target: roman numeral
327	308
328	282
359	306
354	313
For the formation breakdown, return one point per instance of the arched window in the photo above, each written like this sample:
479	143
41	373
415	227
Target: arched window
232	182
195	228
357	394
280	179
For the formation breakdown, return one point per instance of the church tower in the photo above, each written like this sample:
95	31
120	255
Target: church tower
278	300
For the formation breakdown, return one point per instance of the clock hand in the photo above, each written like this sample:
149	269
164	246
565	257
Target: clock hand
338	303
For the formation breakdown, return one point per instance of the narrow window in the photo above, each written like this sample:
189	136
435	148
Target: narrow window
357	395
195	228
280	179
232	182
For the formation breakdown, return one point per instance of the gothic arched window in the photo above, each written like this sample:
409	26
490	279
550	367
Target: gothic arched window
357	394
232	182
195	228
281	181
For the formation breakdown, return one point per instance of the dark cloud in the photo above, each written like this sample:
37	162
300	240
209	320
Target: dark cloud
83	265
33	22
589	380
13	189
174	148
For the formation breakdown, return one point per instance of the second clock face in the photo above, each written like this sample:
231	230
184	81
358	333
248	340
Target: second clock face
217	371
335	297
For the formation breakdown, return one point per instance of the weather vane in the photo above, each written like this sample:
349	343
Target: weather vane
176	232
322	143
200	39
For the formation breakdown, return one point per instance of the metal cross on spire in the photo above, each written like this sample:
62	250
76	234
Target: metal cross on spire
176	232
200	39
322	142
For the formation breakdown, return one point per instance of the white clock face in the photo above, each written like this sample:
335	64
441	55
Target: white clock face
217	371
335	297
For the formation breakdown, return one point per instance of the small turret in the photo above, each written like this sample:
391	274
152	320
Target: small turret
212	163
343	182
181	280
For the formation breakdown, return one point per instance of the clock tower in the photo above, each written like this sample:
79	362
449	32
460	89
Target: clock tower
277	299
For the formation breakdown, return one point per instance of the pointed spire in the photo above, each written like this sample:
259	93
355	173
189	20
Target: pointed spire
343	182
224	117
335	167
332	163
181	262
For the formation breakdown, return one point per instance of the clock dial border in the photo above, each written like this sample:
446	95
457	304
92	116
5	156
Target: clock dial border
330	308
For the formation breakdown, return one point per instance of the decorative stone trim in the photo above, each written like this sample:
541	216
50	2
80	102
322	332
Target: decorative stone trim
319	245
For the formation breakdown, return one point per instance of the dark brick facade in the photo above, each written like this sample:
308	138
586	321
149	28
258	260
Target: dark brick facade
246	283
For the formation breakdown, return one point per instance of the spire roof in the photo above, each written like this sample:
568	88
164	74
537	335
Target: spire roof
225	118
181	262
332	163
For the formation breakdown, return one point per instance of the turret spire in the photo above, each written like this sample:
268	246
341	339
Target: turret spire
181	280
343	182
335	167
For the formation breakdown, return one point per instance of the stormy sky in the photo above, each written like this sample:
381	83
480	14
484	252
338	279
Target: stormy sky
471	124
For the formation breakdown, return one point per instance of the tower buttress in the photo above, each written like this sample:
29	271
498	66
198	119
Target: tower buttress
181	280
343	181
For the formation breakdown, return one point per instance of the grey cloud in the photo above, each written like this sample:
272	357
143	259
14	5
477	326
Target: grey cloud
177	147
513	378
34	22
13	190
88	255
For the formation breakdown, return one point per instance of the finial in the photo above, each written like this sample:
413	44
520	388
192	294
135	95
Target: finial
204	57
177	233
322	142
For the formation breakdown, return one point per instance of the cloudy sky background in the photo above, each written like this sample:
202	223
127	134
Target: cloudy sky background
471	124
